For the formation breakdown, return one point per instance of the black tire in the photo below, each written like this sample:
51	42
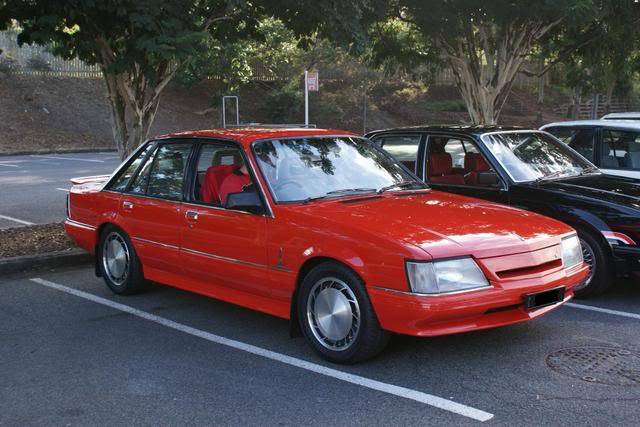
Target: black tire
133	280
365	341
602	276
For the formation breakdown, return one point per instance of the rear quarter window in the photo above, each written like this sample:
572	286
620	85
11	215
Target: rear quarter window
121	181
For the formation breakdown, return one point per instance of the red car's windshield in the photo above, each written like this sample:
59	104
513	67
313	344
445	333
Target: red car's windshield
301	169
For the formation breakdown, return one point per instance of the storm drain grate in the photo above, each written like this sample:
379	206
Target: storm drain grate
602	365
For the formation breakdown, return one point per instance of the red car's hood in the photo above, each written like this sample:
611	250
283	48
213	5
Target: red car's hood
444	224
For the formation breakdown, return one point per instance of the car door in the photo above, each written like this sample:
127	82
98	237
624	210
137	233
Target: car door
151	207
223	246
455	164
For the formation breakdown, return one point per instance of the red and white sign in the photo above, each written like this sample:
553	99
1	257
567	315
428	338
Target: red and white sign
313	85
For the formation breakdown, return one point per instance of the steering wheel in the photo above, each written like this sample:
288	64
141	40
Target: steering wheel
286	182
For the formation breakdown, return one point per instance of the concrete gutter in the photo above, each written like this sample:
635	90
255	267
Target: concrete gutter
61	151
44	261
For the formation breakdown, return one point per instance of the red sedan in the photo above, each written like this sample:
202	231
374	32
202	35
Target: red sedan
323	228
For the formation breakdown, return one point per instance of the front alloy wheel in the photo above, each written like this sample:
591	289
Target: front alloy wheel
601	275
336	315
333	313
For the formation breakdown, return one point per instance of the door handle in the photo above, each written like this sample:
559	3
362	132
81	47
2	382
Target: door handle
127	206
192	216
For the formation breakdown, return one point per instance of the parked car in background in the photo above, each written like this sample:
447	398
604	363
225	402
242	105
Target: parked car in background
532	170
621	116
613	146
325	229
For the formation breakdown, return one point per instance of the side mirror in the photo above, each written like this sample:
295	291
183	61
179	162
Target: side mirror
247	201
488	178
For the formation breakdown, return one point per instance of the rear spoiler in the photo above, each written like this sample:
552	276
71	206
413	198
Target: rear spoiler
89	179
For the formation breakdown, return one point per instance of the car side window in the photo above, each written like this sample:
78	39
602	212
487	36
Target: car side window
581	140
620	150
403	147
167	173
221	171
457	161
122	180
163	173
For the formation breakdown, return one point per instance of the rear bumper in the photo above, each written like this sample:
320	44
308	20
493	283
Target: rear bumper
84	235
424	315
627	260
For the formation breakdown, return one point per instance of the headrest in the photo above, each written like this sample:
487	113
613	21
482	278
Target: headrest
226	158
475	162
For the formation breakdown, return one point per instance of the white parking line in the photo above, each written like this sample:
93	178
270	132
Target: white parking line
604	310
63	189
418	396
9	165
19	221
67	158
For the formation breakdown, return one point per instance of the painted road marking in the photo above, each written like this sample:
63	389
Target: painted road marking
418	396
604	310
9	165
67	158
19	221
63	189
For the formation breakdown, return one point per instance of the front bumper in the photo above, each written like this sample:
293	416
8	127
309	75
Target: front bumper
503	304
627	259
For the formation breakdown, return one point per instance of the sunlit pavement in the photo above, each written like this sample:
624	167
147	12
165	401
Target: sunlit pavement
34	187
73	353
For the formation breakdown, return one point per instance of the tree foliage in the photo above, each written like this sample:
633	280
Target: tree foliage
139	45
599	56
486	43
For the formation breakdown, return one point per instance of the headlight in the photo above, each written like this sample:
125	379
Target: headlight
437	277
571	251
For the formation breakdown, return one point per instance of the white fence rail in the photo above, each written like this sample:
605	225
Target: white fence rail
39	61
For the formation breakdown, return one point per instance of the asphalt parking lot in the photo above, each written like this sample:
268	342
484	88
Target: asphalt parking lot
33	187
73	353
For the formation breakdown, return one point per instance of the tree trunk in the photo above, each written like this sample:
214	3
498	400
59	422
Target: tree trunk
133	100
486	60
576	100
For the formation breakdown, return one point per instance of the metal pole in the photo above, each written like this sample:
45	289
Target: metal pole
237	111
364	110
306	99
224	112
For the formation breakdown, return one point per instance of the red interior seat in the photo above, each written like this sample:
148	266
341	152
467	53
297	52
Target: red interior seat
473	164
210	190
441	169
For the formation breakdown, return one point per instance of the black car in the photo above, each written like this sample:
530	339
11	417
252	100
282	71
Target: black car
532	170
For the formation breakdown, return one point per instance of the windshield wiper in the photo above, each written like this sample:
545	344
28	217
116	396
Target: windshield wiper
402	184
552	175
349	191
338	193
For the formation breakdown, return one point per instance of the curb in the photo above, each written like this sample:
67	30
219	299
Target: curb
49	260
62	151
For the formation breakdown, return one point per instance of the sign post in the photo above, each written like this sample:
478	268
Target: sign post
311	84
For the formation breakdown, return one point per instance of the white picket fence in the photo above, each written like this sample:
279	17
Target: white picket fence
39	61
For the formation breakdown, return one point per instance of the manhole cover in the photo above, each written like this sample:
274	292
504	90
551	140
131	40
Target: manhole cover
602	365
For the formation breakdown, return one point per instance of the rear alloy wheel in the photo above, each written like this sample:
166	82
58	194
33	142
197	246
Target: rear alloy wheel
336	315
118	262
600	274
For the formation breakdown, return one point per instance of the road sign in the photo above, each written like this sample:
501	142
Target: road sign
313	84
